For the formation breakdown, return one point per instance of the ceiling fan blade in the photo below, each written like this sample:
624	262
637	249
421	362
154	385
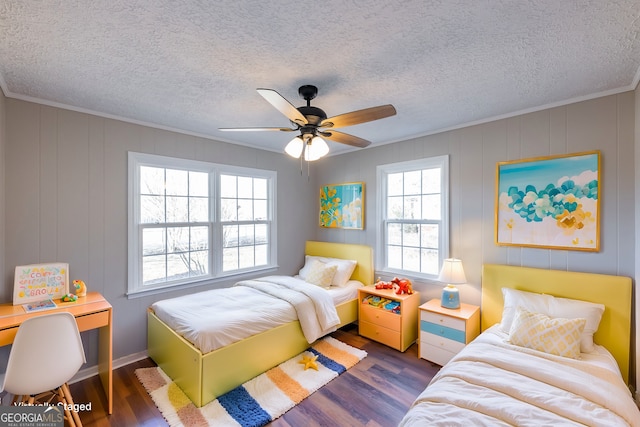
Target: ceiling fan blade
345	138
284	106
360	116
255	129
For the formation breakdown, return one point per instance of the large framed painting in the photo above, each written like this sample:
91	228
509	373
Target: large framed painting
549	202
342	205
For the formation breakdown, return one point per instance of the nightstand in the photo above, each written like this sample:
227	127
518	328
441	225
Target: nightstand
394	323
444	332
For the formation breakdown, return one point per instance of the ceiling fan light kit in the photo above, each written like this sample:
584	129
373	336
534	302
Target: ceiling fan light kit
314	149
312	122
294	147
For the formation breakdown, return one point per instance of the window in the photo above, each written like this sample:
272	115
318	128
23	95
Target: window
413	206
191	221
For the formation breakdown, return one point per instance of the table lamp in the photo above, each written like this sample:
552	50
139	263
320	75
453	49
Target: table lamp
452	274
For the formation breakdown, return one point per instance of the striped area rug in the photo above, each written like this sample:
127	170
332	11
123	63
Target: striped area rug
260	400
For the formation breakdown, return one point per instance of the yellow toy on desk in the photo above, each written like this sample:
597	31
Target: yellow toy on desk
81	288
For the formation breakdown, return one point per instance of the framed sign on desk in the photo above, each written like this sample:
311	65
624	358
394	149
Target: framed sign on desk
40	282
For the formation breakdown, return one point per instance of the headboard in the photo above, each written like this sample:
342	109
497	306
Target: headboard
364	270
614	292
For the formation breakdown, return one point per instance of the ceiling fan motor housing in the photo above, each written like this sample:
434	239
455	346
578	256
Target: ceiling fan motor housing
314	115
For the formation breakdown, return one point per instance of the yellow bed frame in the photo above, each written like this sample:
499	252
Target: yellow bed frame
614	292
203	377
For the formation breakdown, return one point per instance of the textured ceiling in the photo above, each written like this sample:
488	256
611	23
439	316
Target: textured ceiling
193	65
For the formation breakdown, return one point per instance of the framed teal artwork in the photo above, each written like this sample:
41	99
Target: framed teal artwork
549	202
342	205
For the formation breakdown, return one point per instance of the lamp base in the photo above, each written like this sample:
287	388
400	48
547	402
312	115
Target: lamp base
450	297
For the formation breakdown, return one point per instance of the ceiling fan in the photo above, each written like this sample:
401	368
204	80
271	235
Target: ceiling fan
313	123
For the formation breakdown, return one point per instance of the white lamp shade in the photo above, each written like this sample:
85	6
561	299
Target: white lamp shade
316	149
452	272
294	148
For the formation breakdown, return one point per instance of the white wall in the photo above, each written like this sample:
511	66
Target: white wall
67	201
605	124
3	143
637	239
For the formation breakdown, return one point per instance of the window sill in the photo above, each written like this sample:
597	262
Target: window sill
204	282
406	275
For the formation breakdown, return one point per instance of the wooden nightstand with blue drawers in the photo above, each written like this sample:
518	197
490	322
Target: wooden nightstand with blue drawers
444	331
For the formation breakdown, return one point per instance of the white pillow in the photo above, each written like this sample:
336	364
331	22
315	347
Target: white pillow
553	307
343	273
540	332
321	274
535	303
575	309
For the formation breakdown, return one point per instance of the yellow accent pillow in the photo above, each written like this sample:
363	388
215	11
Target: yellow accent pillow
551	335
321	274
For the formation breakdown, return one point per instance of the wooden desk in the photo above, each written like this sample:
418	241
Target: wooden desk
91	312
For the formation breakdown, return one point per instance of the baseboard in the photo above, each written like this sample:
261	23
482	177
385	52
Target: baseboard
91	371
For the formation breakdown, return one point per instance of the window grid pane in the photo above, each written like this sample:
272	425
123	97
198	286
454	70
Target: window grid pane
413	220
176	227
245	236
174	253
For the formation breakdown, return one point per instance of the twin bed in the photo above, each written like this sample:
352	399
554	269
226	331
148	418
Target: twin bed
512	374
206	366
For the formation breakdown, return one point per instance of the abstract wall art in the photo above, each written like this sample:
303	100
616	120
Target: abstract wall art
549	202
342	205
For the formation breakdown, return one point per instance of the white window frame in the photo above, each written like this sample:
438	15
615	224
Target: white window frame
216	274
382	172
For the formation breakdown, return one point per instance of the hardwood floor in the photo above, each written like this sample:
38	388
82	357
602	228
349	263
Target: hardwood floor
375	392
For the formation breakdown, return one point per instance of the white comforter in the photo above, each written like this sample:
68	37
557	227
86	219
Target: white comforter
314	306
216	318
493	383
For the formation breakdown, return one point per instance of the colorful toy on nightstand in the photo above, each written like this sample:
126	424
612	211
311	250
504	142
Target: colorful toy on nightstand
402	286
380	284
69	298
81	288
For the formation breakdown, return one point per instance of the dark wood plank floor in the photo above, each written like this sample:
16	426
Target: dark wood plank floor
375	392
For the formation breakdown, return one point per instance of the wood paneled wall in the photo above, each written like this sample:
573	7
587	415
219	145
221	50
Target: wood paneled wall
66	200
605	124
65	195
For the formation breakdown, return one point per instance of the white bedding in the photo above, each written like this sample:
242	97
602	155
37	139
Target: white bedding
493	383
216	318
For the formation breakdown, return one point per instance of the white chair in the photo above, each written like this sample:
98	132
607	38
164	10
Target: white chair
46	353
